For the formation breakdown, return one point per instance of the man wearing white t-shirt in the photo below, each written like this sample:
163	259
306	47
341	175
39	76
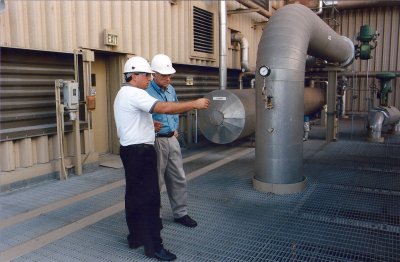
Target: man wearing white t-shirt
133	107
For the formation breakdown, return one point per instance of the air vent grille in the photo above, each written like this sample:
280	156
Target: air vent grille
203	31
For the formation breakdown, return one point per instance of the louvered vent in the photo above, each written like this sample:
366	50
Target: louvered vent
203	31
27	102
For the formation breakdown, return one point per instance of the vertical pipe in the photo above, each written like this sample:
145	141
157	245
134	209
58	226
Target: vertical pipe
189	134
331	103
77	134
291	33
75	122
222	45
60	129
369	92
195	127
343	113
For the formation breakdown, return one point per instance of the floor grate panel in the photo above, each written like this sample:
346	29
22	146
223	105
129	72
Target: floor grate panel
349	211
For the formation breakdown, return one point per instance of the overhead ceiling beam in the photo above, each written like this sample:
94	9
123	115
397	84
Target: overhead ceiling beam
351	4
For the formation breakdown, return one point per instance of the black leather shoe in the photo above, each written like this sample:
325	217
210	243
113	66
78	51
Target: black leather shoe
186	221
163	255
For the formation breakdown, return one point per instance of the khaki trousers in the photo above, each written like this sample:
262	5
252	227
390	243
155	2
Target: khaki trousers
171	173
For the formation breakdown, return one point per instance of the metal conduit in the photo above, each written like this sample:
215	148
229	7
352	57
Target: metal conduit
291	33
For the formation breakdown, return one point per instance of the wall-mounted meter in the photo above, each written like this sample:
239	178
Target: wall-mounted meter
71	95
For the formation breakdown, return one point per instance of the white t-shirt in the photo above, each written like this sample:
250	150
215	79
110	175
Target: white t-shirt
133	119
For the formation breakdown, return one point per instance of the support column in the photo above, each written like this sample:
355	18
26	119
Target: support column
331	94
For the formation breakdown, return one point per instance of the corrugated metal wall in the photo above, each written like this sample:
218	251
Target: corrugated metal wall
27	96
386	56
144	27
28	133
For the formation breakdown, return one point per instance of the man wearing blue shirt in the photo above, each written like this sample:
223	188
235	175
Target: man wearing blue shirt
169	157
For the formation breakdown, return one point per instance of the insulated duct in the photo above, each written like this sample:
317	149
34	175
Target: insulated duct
244	50
291	33
378	118
232	113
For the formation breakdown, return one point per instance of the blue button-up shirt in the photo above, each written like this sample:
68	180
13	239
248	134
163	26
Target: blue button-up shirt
169	122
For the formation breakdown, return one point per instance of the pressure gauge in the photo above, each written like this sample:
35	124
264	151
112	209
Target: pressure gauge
264	71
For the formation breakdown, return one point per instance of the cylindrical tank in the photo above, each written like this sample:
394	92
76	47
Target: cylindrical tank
231	114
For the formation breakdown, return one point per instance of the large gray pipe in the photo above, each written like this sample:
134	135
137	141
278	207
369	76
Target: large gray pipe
291	33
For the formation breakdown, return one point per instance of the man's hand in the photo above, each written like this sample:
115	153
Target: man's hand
201	103
157	126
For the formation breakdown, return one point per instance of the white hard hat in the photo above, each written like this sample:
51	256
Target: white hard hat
162	64
137	64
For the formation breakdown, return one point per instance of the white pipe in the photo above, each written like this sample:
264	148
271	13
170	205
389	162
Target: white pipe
223	72
319	8
244	50
252	82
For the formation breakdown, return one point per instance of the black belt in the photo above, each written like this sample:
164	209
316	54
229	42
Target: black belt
138	145
170	134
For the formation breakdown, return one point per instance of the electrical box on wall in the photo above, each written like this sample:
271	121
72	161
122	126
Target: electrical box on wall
71	95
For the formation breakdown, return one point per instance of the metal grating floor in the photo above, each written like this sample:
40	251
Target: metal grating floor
350	210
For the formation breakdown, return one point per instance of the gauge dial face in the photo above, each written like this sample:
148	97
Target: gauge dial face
264	71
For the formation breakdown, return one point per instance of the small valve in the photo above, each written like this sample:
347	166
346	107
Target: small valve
268	103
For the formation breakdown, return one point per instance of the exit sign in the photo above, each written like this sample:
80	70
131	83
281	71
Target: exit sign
110	38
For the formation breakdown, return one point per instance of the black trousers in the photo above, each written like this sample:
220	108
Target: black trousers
142	196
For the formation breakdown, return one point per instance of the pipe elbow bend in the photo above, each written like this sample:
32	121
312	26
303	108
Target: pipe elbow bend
352	52
376	120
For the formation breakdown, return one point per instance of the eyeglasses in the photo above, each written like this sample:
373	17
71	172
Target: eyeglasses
143	73
164	76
